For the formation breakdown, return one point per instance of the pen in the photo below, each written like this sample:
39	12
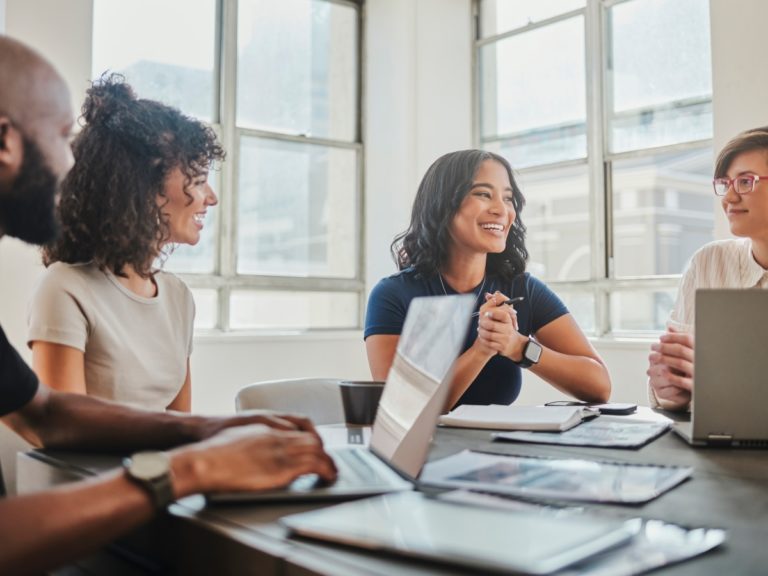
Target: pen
514	300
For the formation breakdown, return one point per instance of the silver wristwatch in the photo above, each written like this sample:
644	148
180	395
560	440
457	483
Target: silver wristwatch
152	471
531	354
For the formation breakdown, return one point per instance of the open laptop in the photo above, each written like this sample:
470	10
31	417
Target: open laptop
731	370
414	397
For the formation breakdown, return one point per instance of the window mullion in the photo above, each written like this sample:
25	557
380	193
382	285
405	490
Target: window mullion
599	213
227	111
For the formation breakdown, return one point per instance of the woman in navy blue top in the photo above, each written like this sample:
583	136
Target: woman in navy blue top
466	236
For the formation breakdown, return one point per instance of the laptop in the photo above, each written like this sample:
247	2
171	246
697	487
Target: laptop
414	396
731	370
535	541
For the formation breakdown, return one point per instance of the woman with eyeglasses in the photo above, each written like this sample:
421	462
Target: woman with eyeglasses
741	183
466	237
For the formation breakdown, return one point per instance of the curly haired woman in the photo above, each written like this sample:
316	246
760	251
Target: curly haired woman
103	320
466	237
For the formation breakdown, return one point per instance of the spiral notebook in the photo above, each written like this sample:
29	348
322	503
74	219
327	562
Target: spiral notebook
516	417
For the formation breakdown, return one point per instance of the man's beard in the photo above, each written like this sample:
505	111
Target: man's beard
27	210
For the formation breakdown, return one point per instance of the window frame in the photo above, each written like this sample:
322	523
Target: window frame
225	278
599	160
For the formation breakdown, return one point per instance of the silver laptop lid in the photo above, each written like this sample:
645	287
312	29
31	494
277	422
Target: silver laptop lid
418	382
731	368
522	541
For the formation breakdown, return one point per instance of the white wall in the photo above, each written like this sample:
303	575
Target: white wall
417	106
417	75
221	365
740	86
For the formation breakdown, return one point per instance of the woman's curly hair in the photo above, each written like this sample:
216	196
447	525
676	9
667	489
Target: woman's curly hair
424	245
127	147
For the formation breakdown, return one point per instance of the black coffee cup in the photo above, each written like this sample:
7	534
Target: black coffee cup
361	400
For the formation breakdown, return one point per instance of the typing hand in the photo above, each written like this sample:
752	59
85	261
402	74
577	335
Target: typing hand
254	457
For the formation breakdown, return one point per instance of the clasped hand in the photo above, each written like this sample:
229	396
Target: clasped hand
497	328
670	369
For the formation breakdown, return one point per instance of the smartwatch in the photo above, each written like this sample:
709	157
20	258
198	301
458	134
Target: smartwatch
152	471
531	354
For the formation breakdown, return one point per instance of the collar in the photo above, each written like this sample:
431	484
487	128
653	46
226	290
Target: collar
751	272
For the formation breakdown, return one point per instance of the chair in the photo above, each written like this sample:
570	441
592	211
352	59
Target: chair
318	398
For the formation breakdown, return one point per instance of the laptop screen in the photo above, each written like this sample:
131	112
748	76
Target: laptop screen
418	381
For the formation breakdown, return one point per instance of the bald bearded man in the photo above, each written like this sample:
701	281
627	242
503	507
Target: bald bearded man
247	452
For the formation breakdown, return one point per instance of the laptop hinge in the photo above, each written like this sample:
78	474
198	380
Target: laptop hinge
719	439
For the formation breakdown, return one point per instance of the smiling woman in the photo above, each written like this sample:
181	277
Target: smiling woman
742	188
466	236
104	321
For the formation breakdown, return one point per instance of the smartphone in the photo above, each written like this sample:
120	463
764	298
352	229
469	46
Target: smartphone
608	408
615	408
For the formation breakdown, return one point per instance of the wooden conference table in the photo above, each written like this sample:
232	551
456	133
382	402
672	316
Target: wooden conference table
729	489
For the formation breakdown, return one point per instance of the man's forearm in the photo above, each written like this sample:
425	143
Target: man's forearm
60	420
41	531
76	422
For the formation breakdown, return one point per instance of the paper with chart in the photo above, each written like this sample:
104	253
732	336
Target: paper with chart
554	478
604	432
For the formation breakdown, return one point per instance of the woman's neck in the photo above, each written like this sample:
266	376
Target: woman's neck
144	287
464	274
760	251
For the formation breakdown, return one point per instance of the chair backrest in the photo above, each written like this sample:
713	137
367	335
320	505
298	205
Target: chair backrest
318	398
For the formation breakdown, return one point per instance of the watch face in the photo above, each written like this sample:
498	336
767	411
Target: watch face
533	351
149	465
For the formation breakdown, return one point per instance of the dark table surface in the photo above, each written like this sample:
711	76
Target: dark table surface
728	489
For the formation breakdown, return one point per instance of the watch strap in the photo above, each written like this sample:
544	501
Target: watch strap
159	488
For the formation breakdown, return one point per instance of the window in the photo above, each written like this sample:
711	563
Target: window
279	81
604	109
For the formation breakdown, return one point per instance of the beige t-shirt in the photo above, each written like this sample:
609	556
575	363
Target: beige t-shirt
136	348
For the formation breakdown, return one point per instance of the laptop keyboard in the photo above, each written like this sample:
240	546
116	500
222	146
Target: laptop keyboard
355	468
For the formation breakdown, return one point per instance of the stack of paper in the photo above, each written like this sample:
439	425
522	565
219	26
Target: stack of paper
513	417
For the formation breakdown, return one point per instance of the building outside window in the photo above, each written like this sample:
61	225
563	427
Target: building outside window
604	110
280	83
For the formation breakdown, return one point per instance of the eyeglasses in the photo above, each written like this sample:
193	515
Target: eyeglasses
743	184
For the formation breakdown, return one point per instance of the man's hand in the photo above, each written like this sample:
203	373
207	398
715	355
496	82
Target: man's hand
253	457
279	421
670	369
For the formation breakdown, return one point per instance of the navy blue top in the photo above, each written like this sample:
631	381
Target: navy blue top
499	380
18	384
